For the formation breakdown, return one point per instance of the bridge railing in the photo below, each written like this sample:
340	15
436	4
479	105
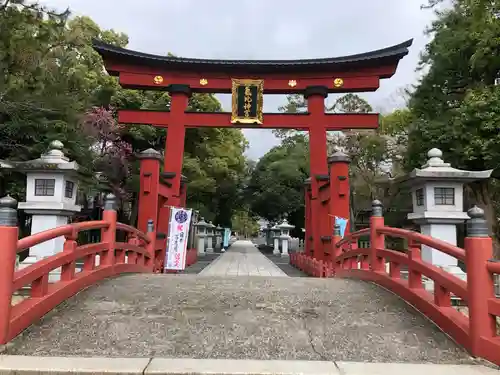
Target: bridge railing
139	254
474	326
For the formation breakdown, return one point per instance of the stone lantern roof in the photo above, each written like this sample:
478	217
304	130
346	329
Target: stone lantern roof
437	170
285	225
202	223
53	160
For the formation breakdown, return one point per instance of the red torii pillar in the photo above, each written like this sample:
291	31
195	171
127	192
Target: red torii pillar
307	209
176	133
174	152
315	96
339	187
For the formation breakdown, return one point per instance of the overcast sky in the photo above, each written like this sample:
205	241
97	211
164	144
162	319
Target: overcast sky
268	29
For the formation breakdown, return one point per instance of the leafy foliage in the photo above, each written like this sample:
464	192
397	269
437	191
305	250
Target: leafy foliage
456	104
276	185
53	86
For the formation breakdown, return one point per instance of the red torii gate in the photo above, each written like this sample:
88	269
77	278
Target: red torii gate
248	80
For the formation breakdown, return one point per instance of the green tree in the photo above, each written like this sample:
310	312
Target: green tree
276	185
456	103
244	223
53	86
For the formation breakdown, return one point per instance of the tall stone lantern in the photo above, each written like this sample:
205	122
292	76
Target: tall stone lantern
276	232
201	233
218	237
285	236
51	190
437	196
210	237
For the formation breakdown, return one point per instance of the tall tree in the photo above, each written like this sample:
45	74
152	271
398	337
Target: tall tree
276	185
456	103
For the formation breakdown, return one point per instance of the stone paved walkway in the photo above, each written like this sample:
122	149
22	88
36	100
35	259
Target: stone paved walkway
244	317
242	259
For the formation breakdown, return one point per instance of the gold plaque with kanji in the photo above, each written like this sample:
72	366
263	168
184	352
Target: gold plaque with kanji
247	101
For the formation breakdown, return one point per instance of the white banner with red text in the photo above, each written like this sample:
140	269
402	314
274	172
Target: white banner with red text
180	218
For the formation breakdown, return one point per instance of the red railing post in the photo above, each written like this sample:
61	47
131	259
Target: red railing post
480	288
70	244
109	233
377	241
336	250
414	277
9	233
151	245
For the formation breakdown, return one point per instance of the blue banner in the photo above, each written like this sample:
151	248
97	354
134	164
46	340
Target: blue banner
227	234
342	223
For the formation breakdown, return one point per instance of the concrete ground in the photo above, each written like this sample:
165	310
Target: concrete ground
239	318
16	365
219	316
283	263
201	264
242	259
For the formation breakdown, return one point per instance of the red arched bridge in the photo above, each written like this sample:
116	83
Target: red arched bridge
323	317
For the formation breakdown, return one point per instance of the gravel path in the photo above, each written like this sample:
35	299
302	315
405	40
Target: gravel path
239	318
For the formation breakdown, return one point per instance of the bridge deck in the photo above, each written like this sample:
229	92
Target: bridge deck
239	318
242	259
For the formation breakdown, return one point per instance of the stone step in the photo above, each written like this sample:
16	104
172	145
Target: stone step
186	366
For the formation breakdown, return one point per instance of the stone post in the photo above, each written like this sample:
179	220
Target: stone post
210	239
285	237
218	237
201	228
276	232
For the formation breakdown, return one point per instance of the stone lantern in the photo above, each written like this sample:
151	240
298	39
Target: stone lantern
437	196
51	191
210	237
276	232
285	236
218	237
268	234
201	233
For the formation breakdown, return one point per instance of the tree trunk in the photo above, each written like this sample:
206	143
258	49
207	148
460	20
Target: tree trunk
479	193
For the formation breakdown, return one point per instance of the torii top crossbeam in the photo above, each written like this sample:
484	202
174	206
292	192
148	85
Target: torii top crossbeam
357	73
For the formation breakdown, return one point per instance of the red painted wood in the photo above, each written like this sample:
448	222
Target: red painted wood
480	290
9	237
271	85
377	242
271	120
148	193
134	231
63	230
448	319
318	166
141	251
174	147
116	67
476	332
340	191
443	246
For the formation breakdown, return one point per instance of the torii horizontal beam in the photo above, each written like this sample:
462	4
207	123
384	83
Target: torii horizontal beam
302	121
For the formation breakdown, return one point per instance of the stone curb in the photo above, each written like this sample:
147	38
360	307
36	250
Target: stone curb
30	365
